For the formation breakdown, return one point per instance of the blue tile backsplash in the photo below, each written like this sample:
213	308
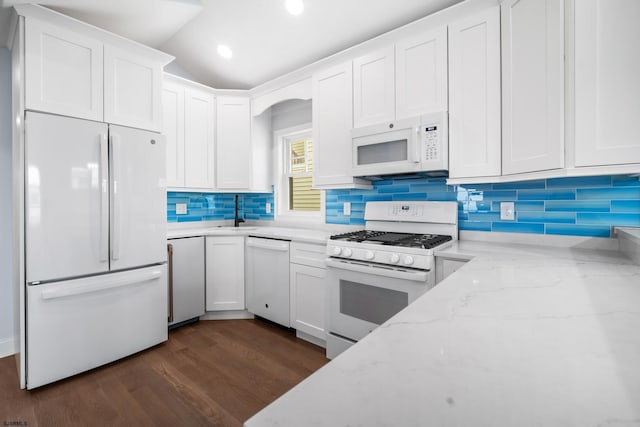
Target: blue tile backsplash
218	206
576	206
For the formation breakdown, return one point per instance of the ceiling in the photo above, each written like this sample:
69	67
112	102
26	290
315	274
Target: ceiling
266	40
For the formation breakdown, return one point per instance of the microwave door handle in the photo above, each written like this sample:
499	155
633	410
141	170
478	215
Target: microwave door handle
417	146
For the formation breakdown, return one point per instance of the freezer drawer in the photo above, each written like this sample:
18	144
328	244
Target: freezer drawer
186	279
77	325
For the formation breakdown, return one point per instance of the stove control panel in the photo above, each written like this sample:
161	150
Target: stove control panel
414	258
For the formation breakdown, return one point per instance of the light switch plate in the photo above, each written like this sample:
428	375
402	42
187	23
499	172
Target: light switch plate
267	207
346	208
181	208
507	211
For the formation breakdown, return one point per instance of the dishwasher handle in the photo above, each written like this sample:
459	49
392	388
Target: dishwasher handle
269	244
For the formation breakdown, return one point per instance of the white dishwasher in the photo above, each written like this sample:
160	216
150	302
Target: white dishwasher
267	278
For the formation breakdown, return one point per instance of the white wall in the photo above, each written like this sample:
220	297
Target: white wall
6	288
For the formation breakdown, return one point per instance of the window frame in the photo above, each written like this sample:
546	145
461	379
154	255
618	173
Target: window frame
282	174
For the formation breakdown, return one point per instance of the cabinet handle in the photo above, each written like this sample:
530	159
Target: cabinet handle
418	146
170	253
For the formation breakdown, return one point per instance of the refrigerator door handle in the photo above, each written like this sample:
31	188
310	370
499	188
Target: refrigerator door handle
170	256
104	198
98	284
115	192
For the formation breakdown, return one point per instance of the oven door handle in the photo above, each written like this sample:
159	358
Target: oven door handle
378	270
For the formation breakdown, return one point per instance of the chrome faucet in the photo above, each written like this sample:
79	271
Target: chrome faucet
236	220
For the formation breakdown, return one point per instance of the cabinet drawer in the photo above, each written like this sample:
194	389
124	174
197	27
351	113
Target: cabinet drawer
308	254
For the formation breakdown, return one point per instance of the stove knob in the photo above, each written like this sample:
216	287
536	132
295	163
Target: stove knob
369	255
408	260
337	250
394	258
347	252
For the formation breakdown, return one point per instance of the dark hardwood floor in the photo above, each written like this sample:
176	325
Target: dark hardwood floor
216	373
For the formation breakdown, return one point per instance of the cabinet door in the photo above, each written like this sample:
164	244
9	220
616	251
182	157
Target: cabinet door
233	142
374	88
308	295
198	138
225	273
63	71
421	74
332	123
474	95
607	86
173	130
187	278
132	90
532	85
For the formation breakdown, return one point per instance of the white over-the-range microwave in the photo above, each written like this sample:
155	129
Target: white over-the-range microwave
418	144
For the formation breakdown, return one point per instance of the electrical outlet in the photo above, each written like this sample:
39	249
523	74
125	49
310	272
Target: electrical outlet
346	209
507	211
267	207
181	208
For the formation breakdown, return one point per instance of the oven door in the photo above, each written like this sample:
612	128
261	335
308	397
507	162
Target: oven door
362	296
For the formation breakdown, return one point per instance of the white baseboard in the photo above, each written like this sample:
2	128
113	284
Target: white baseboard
226	315
7	347
310	338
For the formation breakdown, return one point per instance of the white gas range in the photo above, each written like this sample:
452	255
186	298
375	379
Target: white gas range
376	272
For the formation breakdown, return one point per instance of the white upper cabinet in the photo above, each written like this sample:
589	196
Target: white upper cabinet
421	74
199	114
132	89
532	85
63	71
374	88
233	143
474	95
78	70
173	130
607	82
332	123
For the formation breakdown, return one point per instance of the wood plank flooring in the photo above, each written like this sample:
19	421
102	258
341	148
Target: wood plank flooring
212	373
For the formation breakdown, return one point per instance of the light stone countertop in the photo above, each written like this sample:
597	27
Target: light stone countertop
293	234
521	335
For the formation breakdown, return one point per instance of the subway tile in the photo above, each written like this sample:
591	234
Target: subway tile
474	226
442	196
409	196
531	185
620	219
625	181
578	230
350	198
476	187
396	188
546	194
437	186
356	221
377	197
625	206
499	195
547	217
484	216
577	206
515	227
579	181
619	193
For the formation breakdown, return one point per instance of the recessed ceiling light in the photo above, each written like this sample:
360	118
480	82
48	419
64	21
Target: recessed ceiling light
225	51
295	7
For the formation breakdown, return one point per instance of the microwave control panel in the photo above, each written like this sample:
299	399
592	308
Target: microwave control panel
433	139
431	142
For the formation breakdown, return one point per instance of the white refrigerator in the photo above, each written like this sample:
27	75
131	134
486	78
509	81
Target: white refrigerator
95	244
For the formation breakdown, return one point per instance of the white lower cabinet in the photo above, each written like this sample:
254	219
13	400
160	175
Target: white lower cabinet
308	299
224	273
308	289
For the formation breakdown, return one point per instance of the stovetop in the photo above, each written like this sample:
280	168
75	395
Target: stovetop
390	238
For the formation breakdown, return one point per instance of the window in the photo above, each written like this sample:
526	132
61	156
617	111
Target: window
299	164
296	197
